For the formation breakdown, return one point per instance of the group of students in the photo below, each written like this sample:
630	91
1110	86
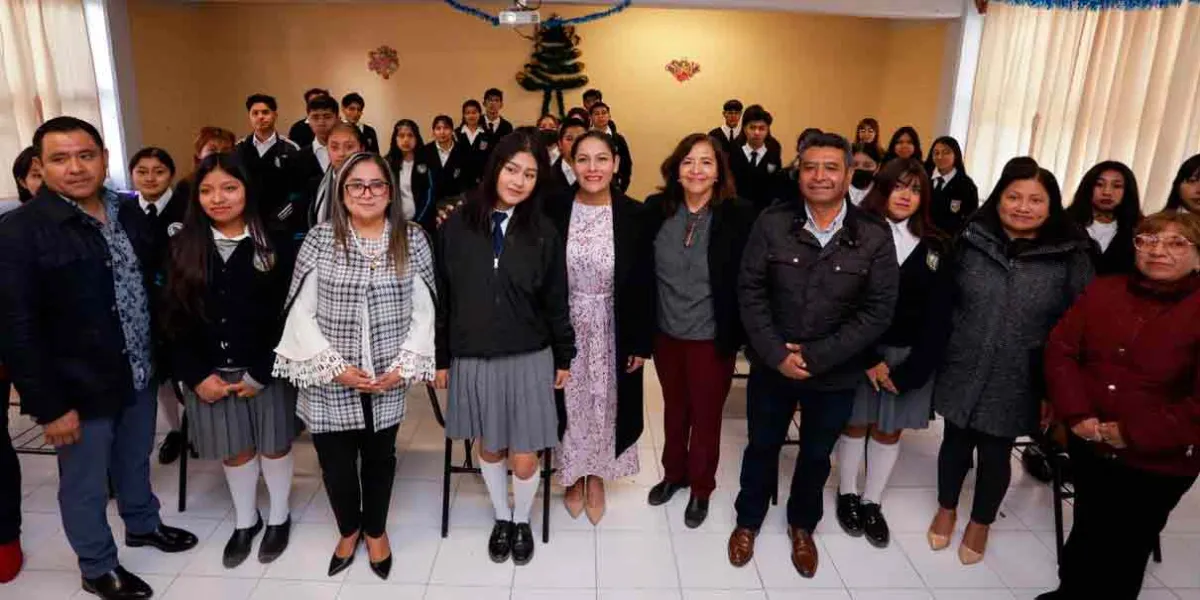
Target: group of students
866	287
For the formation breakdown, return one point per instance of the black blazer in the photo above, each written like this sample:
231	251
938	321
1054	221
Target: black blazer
731	225
270	173
1120	257
370	139
61	338
425	210
450	179
559	186
503	129
759	184
301	133
306	177
624	174
718	134
477	155
951	206
243	317
633	304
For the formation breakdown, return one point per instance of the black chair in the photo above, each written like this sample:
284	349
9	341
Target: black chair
468	466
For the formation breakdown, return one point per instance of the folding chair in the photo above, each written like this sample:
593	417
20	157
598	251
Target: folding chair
468	466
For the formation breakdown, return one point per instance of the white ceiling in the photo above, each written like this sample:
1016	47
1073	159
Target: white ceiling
896	9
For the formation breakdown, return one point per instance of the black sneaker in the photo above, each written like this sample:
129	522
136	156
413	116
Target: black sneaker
874	525
849	514
500	545
171	448
522	544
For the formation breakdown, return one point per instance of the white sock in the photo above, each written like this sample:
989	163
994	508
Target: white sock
277	472
849	461
495	477
881	459
168	404
523	492
243	487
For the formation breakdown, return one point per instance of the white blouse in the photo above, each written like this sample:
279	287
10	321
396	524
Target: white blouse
408	204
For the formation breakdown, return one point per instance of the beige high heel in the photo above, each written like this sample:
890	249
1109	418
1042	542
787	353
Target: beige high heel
574	498
940	541
594	499
967	555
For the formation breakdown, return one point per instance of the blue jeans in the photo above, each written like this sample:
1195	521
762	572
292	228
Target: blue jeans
771	401
119	445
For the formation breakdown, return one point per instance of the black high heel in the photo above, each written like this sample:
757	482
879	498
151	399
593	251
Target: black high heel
338	564
382	568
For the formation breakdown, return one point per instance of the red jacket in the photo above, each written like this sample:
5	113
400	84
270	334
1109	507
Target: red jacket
1129	352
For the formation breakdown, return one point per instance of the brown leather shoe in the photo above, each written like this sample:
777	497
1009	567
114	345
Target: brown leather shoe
741	546
804	552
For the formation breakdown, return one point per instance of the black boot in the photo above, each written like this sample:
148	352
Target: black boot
500	544
238	546
661	493
118	584
849	514
874	525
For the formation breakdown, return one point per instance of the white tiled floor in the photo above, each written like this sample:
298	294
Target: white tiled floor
637	553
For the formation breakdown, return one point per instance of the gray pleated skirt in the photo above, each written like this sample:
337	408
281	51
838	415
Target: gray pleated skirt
887	411
265	423
506	401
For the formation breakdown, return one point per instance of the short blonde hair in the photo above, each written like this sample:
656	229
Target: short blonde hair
1188	225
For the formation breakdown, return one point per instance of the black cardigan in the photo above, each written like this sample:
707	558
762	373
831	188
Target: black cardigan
243	317
1119	259
633	300
450	179
731	223
951	206
918	280
516	308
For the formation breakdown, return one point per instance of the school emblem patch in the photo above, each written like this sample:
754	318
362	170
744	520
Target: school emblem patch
772	167
483	145
457	172
174	228
932	260
422	169
955	206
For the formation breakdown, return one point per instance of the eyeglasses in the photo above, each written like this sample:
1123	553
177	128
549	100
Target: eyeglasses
359	189
1175	244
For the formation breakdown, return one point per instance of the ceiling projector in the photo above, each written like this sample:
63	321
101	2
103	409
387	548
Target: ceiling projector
520	14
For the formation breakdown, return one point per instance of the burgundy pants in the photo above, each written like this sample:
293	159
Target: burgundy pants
695	380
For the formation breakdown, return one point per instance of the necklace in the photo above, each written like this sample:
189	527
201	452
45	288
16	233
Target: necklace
374	259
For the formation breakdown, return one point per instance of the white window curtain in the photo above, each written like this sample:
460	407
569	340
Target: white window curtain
45	71
1074	87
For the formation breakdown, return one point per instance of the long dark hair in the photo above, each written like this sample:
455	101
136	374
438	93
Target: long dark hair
603	137
1189	169
192	247
912	133
339	215
395	156
954	147
897	172
672	189
1128	213
479	204
1058	226
20	171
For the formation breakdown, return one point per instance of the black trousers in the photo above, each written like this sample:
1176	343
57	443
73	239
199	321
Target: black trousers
770	404
358	468
1119	512
10	476
991	479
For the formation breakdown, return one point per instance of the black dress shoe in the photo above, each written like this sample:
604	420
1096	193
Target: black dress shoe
696	512
849	514
874	525
338	564
661	493
1055	595
522	545
166	539
171	447
275	541
501	542
238	546
118	584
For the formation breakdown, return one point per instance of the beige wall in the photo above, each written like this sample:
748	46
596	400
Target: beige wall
196	63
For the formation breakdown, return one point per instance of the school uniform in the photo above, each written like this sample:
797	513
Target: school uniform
563	182
301	133
415	180
269	164
368	137
726	137
955	198
624	175
308	175
1112	248
756	174
449	170
165	215
479	147
497	129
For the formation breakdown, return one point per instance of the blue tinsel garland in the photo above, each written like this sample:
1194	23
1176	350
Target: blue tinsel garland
1097	4
495	21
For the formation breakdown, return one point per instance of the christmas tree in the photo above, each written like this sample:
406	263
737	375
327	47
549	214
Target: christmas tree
554	65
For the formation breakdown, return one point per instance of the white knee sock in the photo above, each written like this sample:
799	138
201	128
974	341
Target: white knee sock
277	472
243	487
881	459
495	477
168	403
849	462
523	492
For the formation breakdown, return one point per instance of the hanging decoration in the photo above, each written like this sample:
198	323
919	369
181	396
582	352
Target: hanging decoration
683	69
554	20
554	65
383	61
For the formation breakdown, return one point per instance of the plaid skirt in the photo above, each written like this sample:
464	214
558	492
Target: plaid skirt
265	423
507	401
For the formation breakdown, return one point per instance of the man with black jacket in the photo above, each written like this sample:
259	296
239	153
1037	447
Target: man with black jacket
268	156
818	287
77	268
